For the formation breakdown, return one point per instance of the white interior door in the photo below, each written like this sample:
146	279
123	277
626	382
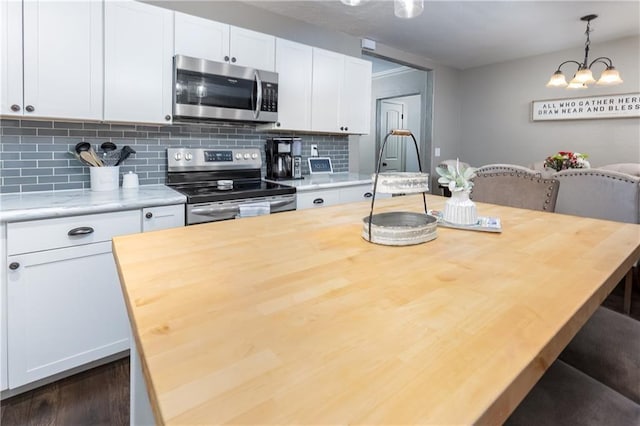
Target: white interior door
391	117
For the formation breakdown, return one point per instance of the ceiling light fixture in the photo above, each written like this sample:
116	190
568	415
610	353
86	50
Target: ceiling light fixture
583	77
402	8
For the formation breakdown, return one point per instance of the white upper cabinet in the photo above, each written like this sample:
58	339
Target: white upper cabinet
356	96
11	58
341	97
138	62
61	61
252	49
294	65
215	41
327	91
201	38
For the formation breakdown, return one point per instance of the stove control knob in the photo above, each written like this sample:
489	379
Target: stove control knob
188	156
254	155
239	156
178	156
247	156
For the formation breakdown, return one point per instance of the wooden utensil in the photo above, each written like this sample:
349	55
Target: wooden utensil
88	158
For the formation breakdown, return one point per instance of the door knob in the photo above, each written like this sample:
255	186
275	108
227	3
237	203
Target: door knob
384	164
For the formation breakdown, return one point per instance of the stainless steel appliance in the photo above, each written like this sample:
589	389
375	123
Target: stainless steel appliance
207	90
222	183
284	158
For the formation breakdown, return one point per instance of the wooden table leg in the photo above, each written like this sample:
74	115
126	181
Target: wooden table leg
628	283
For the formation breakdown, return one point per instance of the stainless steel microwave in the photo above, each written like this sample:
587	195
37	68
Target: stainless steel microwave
207	90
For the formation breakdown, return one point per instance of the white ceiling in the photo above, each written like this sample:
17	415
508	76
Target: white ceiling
466	34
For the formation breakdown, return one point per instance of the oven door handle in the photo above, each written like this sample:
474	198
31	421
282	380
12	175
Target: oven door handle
258	81
212	211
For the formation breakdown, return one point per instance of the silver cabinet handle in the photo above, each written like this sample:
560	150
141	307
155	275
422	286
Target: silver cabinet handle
233	59
82	230
167	117
15	107
30	108
226	59
14	265
149	215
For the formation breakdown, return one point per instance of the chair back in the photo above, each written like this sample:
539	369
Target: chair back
514	186
600	194
632	169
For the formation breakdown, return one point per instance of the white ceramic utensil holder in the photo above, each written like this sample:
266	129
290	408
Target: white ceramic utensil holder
460	210
105	178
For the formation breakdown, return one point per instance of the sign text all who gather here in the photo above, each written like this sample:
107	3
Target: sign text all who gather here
607	106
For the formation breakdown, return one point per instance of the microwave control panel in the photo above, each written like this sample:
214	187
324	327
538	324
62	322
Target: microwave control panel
269	97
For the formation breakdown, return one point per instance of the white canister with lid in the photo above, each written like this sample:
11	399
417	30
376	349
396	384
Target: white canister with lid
130	180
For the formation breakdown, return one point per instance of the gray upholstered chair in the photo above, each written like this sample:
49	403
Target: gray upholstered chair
565	396
632	169
601	194
607	348
514	186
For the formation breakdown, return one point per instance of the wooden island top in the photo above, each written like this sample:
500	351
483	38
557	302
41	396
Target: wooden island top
293	318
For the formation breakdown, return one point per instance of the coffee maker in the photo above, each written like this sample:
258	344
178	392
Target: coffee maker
284	158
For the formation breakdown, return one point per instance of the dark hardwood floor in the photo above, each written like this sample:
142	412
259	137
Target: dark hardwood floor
101	396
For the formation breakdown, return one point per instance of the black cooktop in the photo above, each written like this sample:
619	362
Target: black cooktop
205	192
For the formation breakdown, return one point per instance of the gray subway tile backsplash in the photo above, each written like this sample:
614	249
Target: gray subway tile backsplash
35	154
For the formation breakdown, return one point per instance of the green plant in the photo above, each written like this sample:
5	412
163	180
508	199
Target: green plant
457	178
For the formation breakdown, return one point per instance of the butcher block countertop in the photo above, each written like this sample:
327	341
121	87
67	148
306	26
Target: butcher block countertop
293	318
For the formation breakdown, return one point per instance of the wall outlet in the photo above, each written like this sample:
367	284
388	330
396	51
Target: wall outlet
314	150
437	153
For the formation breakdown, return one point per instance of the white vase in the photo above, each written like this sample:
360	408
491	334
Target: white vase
460	210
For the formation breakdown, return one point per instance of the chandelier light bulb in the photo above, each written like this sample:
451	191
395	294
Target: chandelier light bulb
584	75
557	80
576	85
609	77
407	9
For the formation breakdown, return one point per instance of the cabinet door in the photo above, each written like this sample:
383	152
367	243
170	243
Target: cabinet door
356	96
4	383
252	49
65	309
294	65
315	199
63	59
138	62
11	58
201	38
328	68
163	217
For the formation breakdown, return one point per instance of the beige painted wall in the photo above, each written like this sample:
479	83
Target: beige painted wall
495	110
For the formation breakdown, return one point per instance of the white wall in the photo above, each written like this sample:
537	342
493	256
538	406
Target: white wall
496	108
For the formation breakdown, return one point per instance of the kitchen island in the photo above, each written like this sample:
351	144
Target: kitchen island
293	318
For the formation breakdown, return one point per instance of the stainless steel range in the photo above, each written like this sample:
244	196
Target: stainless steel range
224	184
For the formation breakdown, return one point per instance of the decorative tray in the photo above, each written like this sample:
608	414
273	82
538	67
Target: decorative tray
485	223
402	182
400	228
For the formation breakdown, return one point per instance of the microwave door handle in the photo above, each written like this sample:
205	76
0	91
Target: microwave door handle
258	81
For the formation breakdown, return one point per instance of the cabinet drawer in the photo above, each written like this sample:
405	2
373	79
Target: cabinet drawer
314	199
356	193
45	234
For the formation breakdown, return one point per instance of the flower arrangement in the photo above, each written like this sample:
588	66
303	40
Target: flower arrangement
457	178
567	160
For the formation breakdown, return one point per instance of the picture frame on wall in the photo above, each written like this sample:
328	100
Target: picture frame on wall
623	105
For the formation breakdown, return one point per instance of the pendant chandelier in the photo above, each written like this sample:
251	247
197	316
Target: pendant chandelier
402	8
583	76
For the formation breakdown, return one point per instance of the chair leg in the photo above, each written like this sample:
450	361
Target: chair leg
628	287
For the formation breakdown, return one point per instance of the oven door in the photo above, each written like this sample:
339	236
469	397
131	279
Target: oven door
215	90
223	210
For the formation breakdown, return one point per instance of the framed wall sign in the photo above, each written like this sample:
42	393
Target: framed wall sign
626	105
320	165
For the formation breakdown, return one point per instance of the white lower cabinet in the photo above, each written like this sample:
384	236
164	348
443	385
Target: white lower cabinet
163	217
64	302
333	196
